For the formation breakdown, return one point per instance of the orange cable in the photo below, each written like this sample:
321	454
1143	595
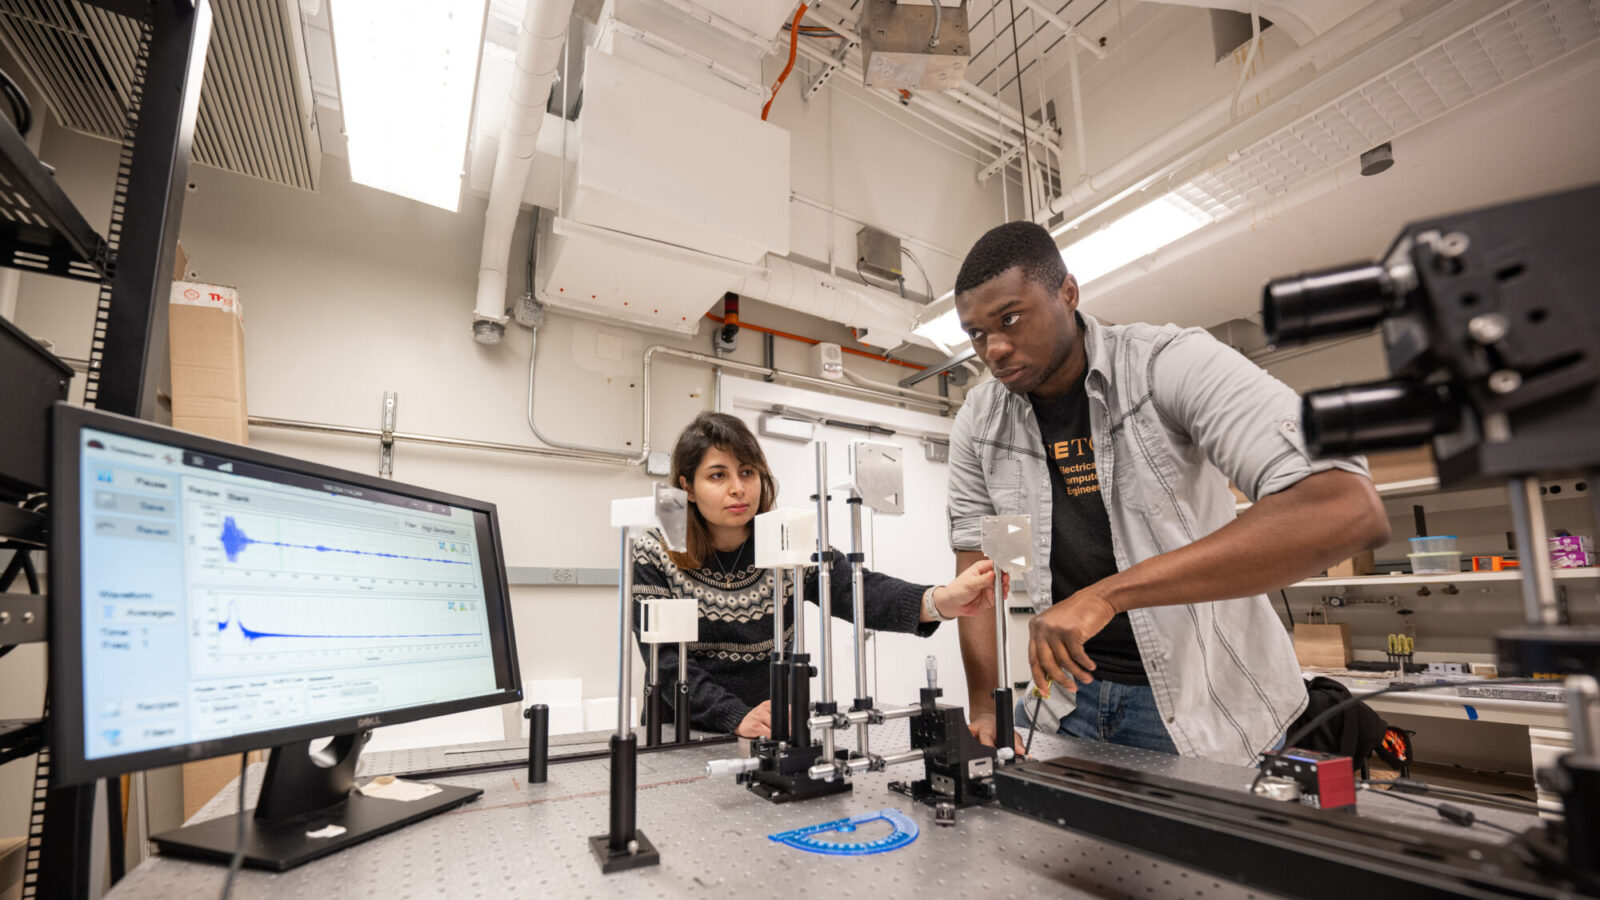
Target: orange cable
794	47
806	340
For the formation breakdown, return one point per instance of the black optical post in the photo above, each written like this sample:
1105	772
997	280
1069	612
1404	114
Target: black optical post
624	846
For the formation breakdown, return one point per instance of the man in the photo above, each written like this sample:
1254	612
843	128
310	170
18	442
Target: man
1151	627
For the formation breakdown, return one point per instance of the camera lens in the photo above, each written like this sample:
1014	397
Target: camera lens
1350	298
1381	415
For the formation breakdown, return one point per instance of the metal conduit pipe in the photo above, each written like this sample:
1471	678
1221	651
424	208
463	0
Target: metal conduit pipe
949	111
656	41
718	23
1066	27
437	440
934	404
629	456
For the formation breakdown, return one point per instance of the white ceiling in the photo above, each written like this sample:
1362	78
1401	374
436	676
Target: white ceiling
1532	137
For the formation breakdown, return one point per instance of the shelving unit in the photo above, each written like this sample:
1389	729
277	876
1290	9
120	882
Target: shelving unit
42	231
1588	574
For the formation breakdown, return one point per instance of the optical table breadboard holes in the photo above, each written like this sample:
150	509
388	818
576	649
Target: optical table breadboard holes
810	839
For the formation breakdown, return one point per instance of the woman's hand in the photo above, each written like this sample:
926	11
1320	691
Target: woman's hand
971	592
757	723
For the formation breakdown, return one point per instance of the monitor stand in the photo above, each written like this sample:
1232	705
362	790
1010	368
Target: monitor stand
307	793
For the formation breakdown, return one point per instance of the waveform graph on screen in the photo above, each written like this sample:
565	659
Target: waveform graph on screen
232	542
237	632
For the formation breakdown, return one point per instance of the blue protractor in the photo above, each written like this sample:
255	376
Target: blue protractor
809	838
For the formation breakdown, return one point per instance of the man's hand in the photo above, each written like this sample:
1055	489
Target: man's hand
1057	635
983	728
757	723
971	592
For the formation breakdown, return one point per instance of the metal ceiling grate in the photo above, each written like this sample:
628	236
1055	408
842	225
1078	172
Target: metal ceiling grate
1502	47
256	116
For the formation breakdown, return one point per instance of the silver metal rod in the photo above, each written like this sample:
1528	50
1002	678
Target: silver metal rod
624	649
652	677
777	612
858	716
683	665
1538	578
824	593
858	613
1002	651
859	764
799	579
1583	714
904	756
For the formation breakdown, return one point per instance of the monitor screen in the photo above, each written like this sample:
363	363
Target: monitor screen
211	598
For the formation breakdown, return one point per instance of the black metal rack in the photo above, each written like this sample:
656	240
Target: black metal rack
42	231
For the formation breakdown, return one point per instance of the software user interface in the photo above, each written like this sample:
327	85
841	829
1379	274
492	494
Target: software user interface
222	598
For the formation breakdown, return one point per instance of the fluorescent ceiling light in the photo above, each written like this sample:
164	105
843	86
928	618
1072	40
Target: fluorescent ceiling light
944	330
1139	233
406	74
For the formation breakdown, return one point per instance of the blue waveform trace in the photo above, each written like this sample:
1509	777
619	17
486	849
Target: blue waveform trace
253	635
234	540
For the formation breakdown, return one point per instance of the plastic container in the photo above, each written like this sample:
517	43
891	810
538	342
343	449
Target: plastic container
1437	562
1436	544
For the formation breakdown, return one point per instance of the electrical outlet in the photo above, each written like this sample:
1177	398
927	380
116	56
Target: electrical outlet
562	576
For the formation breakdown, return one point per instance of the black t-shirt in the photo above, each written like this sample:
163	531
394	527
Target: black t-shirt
1080	530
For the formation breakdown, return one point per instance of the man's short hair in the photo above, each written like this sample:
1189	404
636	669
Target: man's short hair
1023	245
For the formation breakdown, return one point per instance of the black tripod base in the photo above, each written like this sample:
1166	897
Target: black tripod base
642	853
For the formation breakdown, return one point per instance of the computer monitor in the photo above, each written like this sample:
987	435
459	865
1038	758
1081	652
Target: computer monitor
208	599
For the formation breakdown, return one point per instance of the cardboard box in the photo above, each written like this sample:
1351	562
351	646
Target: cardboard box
1323	646
205	328
1402	465
1360	564
205	325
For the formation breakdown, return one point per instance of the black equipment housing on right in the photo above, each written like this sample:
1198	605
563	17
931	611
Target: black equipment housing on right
1492	334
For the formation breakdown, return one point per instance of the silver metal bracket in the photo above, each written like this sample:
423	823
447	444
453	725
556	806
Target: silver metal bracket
391	400
1008	540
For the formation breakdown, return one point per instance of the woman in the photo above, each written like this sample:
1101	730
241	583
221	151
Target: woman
718	462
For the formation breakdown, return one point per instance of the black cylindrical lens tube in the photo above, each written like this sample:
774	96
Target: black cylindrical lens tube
1312	305
1380	415
799	700
624	788
538	743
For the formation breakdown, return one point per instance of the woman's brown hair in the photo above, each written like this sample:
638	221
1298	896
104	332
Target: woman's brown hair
730	435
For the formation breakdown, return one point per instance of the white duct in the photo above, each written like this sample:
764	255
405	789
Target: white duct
885	319
1139	163
539	43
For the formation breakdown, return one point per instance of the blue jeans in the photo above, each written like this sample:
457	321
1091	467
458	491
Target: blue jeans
1123	714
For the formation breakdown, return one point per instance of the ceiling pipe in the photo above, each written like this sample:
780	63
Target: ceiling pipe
539	42
1067	28
1140	163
